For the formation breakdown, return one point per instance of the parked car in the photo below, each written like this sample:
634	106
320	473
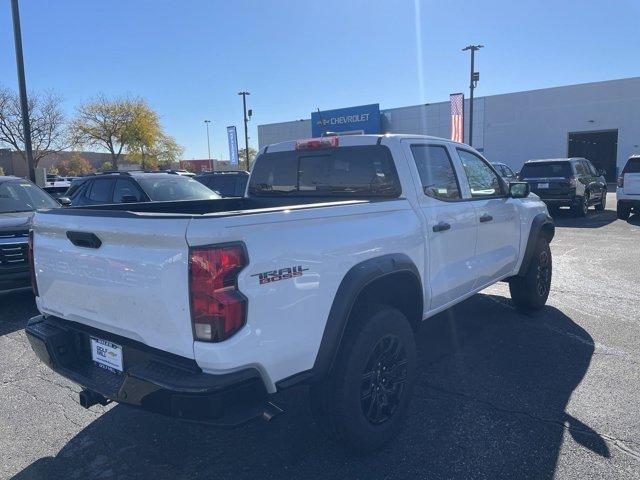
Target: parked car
19	198
505	171
628	191
57	191
202	310
186	173
227	184
569	182
134	187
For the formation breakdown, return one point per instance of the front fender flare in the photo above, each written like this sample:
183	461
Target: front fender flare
542	225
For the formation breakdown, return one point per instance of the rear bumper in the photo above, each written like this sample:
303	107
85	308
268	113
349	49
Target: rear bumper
559	202
153	380
629	203
557	198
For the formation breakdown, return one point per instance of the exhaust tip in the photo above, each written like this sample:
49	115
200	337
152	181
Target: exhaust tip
89	398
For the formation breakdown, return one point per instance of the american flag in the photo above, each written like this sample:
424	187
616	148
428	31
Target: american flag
457	117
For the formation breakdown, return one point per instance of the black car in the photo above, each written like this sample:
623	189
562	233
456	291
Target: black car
569	182
19	198
505	172
135	187
57	192
227	184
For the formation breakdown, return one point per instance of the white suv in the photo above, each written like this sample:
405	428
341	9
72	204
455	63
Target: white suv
628	191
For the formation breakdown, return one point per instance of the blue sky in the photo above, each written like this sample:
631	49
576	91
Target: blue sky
190	58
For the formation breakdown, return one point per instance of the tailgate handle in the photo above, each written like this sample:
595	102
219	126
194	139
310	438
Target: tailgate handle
84	239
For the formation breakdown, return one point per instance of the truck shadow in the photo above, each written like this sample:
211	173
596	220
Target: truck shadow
490	402
565	218
15	310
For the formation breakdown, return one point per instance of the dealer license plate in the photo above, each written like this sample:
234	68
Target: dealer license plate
543	185
106	354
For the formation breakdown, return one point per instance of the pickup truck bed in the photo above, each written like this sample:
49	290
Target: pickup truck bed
220	207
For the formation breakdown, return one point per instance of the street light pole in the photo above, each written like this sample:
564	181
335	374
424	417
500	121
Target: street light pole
473	79
22	85
207	122
246	135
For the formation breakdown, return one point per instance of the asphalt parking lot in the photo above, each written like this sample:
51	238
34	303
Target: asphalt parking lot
500	394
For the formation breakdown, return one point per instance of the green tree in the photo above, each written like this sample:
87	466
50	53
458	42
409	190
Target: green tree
167	151
242	157
120	125
106	166
162	153
75	166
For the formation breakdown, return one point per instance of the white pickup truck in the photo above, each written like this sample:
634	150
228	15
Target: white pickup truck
341	247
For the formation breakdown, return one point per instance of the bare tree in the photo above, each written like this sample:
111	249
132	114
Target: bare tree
48	123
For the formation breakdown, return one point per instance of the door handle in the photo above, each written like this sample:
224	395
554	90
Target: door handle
441	227
84	239
486	218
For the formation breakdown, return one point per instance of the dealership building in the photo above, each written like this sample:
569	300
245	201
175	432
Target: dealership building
599	121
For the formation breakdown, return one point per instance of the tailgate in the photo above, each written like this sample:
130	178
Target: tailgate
549	187
132	282
632	183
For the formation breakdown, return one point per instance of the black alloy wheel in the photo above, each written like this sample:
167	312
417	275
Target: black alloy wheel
383	380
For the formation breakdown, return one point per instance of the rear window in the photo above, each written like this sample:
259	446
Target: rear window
175	187
632	166
546	169
365	170
226	185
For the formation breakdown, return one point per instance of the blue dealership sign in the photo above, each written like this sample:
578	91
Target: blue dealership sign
362	119
232	134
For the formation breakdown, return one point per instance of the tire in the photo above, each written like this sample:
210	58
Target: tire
582	207
623	212
530	291
600	207
349	404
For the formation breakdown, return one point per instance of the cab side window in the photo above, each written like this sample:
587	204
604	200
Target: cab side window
581	169
101	190
508	172
483	180
436	172
126	188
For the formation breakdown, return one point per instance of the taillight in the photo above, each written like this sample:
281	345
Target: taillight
621	181
32	265
218	309
317	143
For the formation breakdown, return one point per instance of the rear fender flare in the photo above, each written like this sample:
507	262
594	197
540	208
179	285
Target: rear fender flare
353	283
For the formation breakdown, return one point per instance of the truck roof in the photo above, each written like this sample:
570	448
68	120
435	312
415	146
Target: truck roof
354	140
544	160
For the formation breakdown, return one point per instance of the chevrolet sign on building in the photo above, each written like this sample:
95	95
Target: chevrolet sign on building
352	120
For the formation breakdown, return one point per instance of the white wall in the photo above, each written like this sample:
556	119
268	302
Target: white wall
282	132
515	127
536	124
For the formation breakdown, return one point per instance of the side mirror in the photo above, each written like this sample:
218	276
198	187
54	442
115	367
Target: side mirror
129	199
519	189
64	201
